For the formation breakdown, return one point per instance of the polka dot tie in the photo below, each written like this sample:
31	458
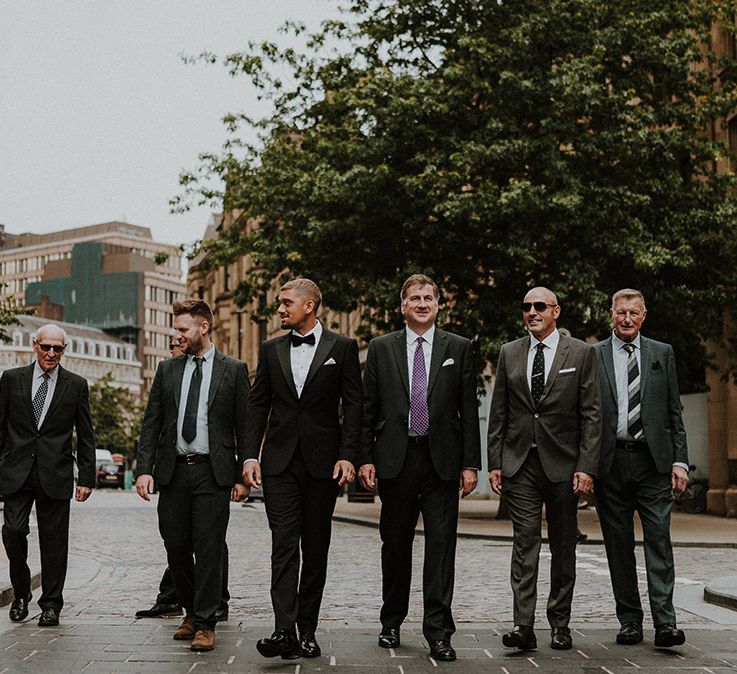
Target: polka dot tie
40	398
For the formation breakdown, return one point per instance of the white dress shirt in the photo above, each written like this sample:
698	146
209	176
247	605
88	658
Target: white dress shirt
412	338
201	442
38	373
301	357
551	346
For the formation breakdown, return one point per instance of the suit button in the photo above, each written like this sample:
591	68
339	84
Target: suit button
536	415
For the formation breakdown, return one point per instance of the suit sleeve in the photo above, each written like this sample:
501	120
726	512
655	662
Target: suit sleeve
257	411
85	439
498	414
675	416
240	411
4	386
352	401
470	411
370	407
151	426
589	400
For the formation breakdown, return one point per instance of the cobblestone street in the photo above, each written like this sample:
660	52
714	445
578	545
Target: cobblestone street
117	557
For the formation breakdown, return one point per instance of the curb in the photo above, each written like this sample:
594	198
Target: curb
722	592
7	595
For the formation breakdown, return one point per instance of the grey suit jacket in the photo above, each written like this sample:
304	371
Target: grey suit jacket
226	416
453	435
660	405
566	422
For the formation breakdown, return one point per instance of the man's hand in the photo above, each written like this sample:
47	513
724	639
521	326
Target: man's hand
345	471
239	492
145	486
367	476
469	479
252	474
678	479
495	480
82	493
583	483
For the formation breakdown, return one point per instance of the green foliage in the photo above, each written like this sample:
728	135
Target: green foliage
495	146
9	311
116	416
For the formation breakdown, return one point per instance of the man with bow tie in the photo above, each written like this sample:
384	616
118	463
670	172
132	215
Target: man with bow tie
306	379
544	433
643	459
420	446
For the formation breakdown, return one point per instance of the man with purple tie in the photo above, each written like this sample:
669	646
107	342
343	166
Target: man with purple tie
421	446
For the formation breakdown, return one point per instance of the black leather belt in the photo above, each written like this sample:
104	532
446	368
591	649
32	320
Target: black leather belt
191	459
631	445
420	441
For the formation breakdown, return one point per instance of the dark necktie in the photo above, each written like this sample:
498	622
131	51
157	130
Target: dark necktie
189	426
634	420
298	340
418	395
40	398
538	374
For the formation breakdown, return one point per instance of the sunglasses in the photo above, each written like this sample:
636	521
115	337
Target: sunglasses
57	348
539	306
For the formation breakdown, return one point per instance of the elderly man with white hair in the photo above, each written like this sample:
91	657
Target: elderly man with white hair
40	406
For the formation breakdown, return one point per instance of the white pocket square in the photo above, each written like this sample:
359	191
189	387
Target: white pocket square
568	369
450	361
330	361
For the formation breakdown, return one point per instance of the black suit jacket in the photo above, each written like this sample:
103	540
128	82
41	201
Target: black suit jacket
660	405
453	434
51	445
226	420
565	423
312	419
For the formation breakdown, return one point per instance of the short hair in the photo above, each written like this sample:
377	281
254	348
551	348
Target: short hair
196	308
628	294
46	327
419	280
306	288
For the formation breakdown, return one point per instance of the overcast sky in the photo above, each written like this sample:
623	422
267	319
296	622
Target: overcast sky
98	113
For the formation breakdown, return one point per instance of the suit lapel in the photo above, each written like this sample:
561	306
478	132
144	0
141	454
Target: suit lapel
218	369
178	367
26	381
439	347
400	355
646	359
327	341
282	354
62	381
607	356
560	358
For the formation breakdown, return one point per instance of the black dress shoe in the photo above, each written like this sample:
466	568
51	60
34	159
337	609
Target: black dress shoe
309	646
283	643
668	635
19	609
221	615
389	637
560	639
159	610
49	618
629	634
522	637
442	651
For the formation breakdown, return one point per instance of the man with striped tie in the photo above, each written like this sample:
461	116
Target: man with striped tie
643	459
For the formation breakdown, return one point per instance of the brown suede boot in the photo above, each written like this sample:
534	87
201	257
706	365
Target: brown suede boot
204	640
186	630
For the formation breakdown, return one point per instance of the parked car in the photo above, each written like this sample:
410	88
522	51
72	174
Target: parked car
111	475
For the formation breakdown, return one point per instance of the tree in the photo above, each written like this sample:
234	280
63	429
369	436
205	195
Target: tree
116	416
9	311
494	146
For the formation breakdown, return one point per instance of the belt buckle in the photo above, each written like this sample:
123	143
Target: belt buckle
190	459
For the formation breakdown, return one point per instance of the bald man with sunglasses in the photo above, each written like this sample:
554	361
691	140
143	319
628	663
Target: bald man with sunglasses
40	407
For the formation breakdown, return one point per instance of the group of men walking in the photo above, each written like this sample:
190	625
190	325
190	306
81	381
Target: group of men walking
566	418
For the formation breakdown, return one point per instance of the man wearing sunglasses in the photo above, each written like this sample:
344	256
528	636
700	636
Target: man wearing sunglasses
544	434
40	407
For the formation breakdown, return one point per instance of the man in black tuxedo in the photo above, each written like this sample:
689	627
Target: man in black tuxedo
40	406
421	444
192	441
304	379
643	458
544	434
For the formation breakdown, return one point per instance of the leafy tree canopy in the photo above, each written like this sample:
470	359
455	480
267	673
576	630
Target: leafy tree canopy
116	416
494	145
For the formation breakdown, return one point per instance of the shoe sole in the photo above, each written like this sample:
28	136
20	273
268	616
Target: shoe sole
268	653
513	643
629	641
670	644
201	648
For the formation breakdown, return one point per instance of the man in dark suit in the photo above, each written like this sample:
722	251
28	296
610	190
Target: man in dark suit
643	458
40	406
192	441
303	380
544	434
421	444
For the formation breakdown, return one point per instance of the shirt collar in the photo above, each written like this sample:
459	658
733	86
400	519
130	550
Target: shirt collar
618	344
205	356
412	336
38	371
317	331
551	341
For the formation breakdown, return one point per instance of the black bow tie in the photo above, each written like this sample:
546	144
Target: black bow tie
298	340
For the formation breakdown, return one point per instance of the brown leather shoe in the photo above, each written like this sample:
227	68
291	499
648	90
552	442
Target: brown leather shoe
204	640
186	630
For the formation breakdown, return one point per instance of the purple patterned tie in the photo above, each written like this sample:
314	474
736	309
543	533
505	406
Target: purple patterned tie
418	397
